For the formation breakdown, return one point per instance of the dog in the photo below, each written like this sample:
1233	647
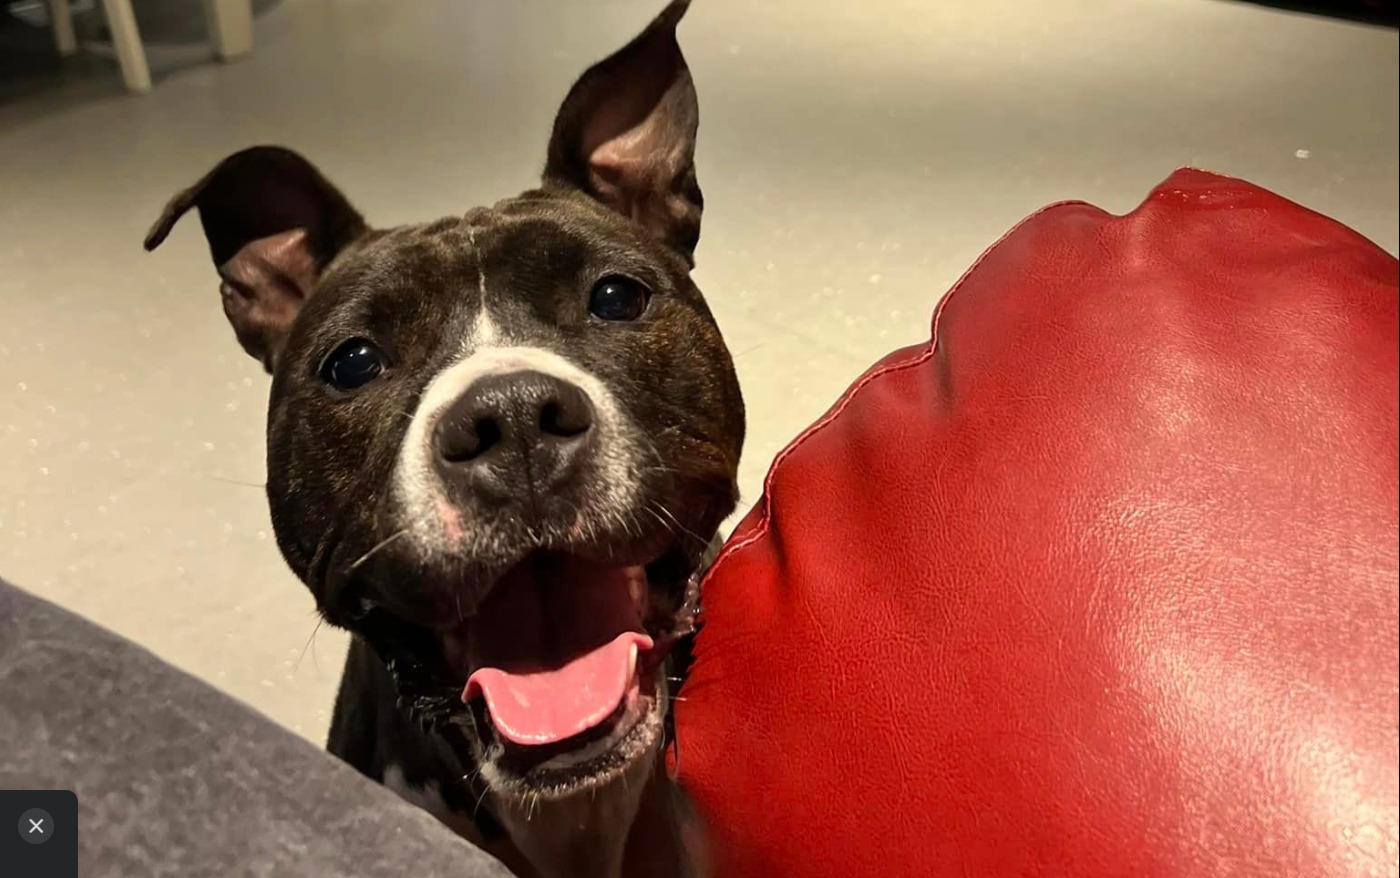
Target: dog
499	446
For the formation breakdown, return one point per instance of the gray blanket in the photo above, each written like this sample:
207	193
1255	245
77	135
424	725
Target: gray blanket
177	779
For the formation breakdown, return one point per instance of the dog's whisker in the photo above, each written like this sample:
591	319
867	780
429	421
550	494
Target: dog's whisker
320	620
746	351
659	520
630	521
381	544
240	483
659	509
485	789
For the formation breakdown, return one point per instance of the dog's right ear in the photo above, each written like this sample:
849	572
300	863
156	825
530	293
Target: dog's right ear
273	224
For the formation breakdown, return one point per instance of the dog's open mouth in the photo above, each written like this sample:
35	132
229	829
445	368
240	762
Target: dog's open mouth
560	666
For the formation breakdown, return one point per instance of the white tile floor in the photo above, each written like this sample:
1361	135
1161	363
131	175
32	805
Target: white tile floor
855	158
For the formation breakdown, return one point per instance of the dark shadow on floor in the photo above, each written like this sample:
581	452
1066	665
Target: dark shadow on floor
1381	12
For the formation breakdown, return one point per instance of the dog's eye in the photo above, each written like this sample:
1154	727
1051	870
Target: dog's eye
618	298
352	365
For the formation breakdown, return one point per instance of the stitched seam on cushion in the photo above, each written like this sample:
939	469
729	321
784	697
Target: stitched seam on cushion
765	516
1201	170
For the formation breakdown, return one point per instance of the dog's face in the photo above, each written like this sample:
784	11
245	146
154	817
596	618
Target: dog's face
498	444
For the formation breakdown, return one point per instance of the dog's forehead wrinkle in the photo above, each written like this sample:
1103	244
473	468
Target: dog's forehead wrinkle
414	256
483	315
565	236
493	324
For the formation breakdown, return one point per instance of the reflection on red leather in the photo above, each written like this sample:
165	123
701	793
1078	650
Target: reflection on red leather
1103	583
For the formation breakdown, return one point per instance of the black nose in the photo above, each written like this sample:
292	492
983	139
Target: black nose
523	430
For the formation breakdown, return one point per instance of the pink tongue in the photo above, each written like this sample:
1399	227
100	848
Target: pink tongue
546	707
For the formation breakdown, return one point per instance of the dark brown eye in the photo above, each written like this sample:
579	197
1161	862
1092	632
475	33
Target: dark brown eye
351	366
618	299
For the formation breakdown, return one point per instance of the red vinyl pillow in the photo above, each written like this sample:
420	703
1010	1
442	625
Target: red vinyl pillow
1102	581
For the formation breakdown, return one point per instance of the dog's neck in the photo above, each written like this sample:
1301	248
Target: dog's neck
631	828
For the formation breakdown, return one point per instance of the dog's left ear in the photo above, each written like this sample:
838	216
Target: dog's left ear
626	135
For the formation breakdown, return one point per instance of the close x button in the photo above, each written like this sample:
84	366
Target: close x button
38	834
36	826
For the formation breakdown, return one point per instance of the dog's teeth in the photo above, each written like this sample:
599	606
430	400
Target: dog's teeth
632	661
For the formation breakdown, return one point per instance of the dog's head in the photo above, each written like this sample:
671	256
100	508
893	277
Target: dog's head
499	443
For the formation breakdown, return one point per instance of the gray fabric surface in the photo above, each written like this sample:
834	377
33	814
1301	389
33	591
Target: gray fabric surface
176	779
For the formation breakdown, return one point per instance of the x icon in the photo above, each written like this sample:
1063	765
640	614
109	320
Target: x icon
36	826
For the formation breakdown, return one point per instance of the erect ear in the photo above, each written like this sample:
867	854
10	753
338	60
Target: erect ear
273	224
626	135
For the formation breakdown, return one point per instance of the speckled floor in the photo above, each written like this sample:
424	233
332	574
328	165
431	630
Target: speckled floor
855	158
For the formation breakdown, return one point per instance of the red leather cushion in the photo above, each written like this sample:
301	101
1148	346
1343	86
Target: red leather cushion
1101	583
